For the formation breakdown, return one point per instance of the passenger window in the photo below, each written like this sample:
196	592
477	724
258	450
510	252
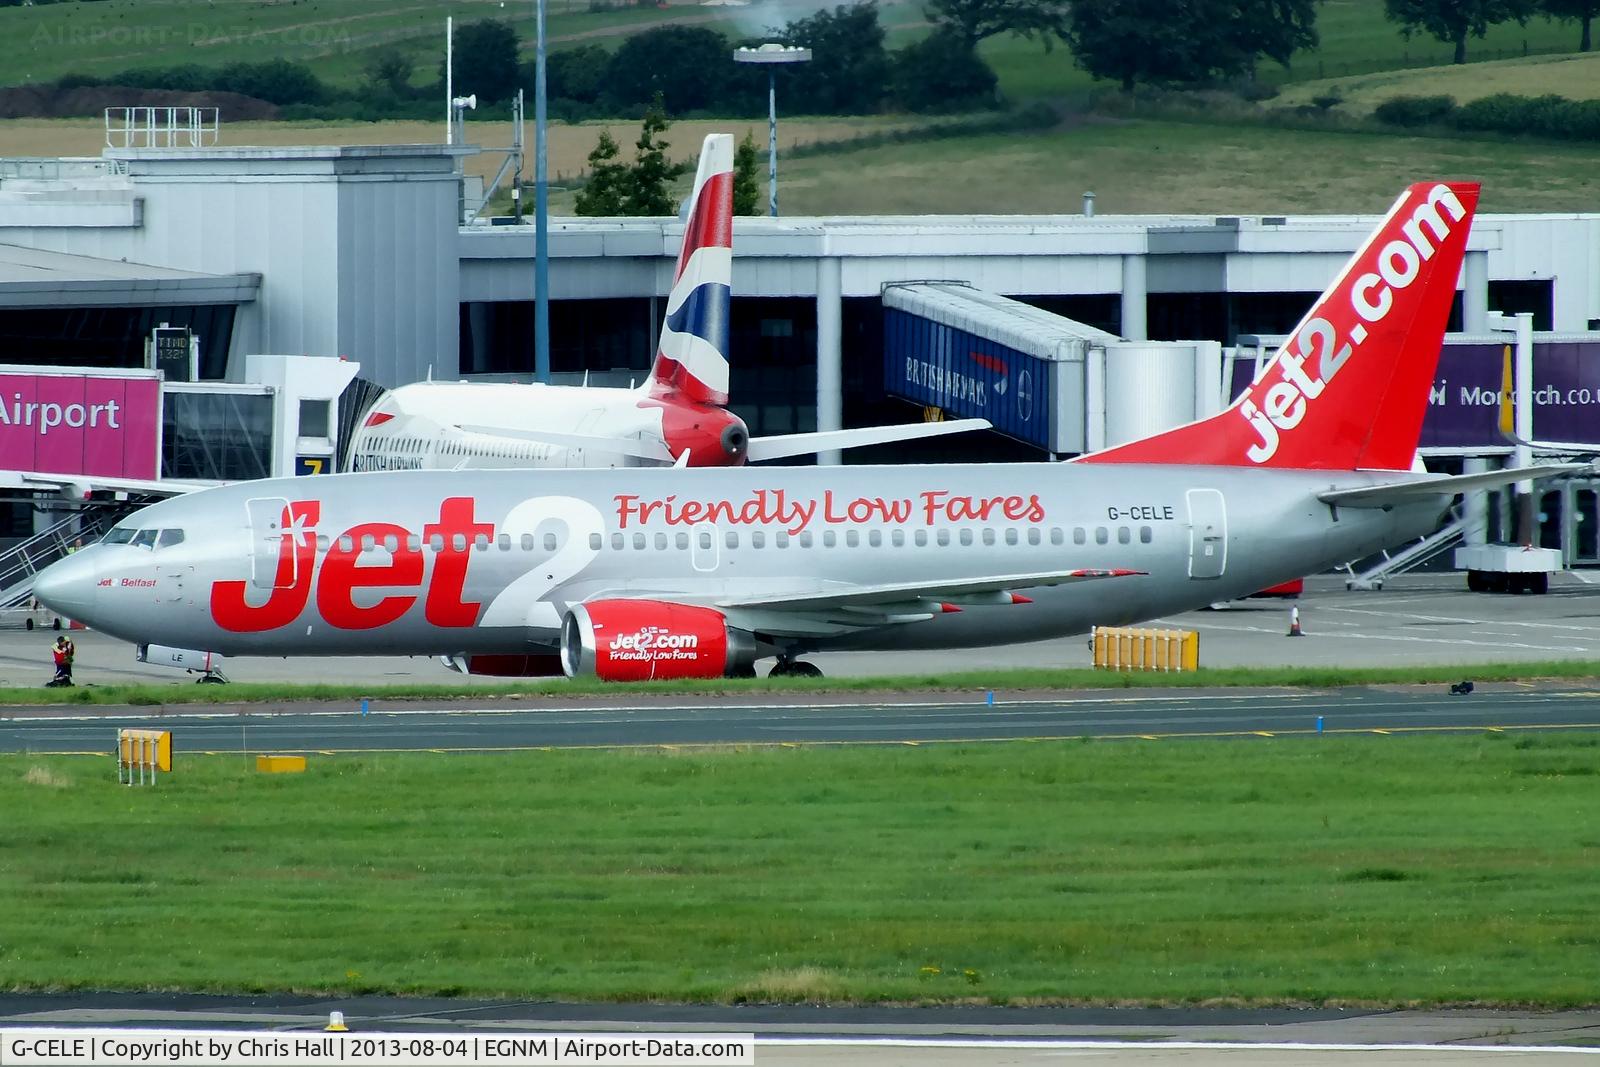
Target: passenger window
874	538
145	539
661	541
170	537
758	539
413	542
458	542
391	542
504	541
436	542
1146	535
1124	535
988	536
346	544
595	541
682	540
525	542
966	537
829	538
705	540
367	542
616	540
1033	535
1011	535
638	540
921	538
897	538
852	538
1102	536
781	539
1079	536
322	542
481	541
550	542
805	539
1057	535
731	539
944	538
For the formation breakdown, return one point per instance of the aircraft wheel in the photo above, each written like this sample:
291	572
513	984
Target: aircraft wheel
802	669
780	669
210	679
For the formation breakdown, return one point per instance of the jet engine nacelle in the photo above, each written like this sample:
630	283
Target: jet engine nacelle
640	640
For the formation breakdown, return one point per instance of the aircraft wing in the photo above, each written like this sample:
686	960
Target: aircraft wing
783	446
641	448
896	593
1391	493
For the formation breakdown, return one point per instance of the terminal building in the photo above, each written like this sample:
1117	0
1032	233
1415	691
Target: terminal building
364	254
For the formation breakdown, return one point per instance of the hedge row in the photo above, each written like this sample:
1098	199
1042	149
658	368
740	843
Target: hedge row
1544	116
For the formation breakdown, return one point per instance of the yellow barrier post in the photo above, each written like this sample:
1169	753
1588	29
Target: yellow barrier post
1122	648
143	750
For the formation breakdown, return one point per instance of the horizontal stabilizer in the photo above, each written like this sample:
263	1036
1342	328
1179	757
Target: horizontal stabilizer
1391	493
898	592
805	444
640	448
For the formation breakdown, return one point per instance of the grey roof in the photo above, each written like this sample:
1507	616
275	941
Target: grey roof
32	277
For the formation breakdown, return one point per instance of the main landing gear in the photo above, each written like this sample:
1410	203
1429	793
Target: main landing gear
794	668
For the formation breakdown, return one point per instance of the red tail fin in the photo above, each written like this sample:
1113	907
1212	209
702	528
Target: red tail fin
1349	388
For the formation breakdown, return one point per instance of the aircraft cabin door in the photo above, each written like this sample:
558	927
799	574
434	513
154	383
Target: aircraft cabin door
270	566
1208	533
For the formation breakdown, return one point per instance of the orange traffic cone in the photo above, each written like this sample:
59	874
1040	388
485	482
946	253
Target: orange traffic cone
1294	623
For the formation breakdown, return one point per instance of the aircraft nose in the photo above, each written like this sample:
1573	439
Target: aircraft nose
67	586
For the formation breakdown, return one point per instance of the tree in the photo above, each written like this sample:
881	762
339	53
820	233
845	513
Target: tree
746	185
688	67
1453	20
970	21
602	193
646	191
1584	11
388	70
577	74
942	71
1134	41
486	60
849	69
1158	42
637	188
1276	29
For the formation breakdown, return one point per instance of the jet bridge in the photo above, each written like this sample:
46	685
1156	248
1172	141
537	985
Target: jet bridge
1059	385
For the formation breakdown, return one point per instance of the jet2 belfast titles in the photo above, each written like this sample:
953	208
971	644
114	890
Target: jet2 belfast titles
675	572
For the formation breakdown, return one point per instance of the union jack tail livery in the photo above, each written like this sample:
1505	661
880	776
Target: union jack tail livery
1349	388
692	356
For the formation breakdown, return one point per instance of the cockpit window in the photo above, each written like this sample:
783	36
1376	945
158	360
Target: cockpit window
170	537
120	535
145	539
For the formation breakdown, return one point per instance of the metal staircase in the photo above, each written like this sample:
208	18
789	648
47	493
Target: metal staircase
1408	558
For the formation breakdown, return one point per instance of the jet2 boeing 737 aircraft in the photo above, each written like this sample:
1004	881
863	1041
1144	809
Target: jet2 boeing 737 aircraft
679	416
671	573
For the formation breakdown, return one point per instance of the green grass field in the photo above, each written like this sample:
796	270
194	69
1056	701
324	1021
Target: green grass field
183	691
1164	165
1372	871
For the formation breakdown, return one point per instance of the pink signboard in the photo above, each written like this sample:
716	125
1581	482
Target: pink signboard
80	424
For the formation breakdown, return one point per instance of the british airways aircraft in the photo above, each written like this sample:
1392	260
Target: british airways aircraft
678	417
672	573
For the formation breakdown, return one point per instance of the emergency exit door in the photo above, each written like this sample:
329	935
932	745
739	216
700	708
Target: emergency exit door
1208	533
270	566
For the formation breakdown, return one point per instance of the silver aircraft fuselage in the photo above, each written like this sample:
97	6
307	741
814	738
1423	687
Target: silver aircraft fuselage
474	562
